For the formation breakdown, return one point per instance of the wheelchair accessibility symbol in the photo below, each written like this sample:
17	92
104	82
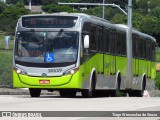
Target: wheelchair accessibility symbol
49	57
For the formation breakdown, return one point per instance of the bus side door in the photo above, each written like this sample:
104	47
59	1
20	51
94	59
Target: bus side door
112	51
100	44
148	57
107	54
135	56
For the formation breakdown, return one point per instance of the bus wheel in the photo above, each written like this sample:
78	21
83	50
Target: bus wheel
132	93
72	93
63	93
116	92
35	92
136	93
88	93
139	93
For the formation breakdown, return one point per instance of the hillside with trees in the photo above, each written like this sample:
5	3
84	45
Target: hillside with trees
9	15
146	13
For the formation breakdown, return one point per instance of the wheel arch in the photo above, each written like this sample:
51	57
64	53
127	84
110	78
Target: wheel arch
118	79
93	74
143	81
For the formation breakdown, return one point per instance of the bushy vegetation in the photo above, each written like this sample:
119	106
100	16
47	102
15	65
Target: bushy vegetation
6	68
6	62
9	16
52	8
158	80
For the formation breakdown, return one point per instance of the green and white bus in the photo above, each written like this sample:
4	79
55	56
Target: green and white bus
75	52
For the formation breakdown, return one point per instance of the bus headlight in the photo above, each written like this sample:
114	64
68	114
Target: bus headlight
71	71
19	71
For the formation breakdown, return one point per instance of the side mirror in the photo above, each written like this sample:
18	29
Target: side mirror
86	41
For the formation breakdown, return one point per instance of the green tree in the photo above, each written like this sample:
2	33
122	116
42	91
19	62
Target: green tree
96	11
155	12
52	8
142	6
154	3
109	13
10	15
138	20
13	1
2	6
45	2
119	19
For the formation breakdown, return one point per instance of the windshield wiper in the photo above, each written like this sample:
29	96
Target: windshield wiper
59	33
51	43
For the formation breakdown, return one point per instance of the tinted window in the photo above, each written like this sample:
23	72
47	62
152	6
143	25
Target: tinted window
93	38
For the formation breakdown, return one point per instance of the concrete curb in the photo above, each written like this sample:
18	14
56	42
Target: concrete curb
11	91
21	91
17	91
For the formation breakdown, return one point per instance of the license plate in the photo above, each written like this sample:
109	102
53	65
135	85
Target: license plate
44	81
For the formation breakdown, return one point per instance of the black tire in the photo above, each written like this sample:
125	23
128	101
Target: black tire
136	93
116	92
35	92
132	93
63	93
89	93
67	93
139	93
72	93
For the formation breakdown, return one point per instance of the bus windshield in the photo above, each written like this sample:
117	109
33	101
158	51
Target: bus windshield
46	47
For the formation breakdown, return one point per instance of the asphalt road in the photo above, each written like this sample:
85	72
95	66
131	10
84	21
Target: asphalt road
56	103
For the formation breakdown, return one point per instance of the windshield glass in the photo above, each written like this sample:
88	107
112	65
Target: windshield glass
46	47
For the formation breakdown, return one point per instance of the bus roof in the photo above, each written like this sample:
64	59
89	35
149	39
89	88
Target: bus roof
94	18
136	31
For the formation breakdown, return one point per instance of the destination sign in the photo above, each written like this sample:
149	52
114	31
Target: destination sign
49	21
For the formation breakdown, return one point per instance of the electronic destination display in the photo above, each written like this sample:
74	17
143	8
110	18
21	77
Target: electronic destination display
49	21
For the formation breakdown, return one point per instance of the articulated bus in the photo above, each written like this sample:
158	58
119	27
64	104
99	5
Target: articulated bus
75	52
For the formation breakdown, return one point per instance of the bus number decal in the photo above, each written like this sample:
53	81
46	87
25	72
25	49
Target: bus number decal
55	70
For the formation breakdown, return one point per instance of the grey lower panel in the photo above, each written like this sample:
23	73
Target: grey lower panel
123	83
109	82
106	82
85	84
137	83
102	82
150	85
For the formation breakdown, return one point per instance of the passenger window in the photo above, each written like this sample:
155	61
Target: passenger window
93	38
106	41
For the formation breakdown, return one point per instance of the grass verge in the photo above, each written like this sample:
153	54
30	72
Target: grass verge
6	67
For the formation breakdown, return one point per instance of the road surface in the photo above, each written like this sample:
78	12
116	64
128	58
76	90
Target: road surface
56	103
